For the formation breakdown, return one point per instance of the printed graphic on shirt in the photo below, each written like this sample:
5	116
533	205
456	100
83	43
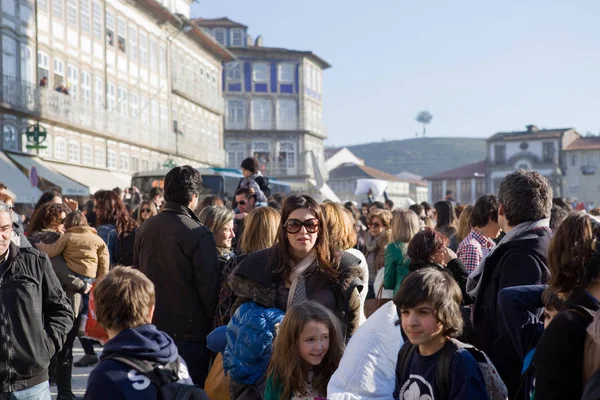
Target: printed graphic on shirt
416	388
183	372
140	381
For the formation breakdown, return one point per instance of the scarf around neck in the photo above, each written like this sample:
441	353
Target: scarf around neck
299	269
372	243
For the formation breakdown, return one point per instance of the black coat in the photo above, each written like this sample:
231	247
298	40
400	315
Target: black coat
521	261
179	255
35	317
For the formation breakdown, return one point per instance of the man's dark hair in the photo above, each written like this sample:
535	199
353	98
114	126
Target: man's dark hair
275	205
525	196
557	201
244	191
557	216
251	164
118	191
441	290
155	191
389	203
417	209
377	204
551	300
182	183
3	186
484	210
426	206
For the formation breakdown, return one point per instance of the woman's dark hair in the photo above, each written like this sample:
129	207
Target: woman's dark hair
426	206
574	254
110	209
446	217
46	216
425	245
46	197
484	210
326	254
417	209
441	290
181	184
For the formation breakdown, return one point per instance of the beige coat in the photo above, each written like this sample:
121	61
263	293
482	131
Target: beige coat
84	251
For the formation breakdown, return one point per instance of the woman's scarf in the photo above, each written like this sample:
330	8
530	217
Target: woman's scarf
298	281
373	243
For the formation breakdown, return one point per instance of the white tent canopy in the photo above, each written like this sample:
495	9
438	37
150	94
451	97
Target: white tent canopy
18	184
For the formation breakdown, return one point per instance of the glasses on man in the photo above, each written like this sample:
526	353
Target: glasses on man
243	202
375	225
295	225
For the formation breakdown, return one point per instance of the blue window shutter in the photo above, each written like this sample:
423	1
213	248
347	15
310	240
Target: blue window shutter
273	77
248	76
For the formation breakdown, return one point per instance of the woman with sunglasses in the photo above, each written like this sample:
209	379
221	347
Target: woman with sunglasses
302	265
378	237
146	210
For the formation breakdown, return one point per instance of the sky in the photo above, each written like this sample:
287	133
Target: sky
478	67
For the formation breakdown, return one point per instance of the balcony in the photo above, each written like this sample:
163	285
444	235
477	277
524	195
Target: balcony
275	125
202	93
60	109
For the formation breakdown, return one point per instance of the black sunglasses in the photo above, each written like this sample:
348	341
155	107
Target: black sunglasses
374	225
243	202
146	210
295	225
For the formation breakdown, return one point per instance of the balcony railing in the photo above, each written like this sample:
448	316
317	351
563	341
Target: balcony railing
276	125
203	93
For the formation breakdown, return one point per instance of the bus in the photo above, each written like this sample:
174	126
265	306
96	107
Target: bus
221	182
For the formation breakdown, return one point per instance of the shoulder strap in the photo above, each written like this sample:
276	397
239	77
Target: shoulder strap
159	376
442	370
406	352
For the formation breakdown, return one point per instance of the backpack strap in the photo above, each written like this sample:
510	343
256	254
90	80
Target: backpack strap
158	375
404	356
442	369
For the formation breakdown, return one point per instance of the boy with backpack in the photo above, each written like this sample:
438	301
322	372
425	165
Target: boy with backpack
255	180
433	364
138	361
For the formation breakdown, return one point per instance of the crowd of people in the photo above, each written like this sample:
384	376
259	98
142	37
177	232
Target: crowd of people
274	297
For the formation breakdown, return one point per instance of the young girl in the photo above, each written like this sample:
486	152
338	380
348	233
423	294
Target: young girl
307	351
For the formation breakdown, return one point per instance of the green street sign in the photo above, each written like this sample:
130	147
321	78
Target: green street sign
170	163
36	135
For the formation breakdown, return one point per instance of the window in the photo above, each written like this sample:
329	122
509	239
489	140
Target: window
72	12
286	114
145	165
132	43
236	153
163	119
84	14
74	152
86	88
59	148
591	159
87	157
436	191
121	34
153	55
260	72
59	72
261	114
479	187
548	151
133	105
465	191
143	50
25	14
236	114
162	61
287	155
500	153
97	20
236	37
9	56
122	100
72	80
286	73
110	96
234	71
220	36
144	107
43	65
154	116
9	137
99	157
8	7
57	8
47	152
124	161
42	5
26	64
262	152
111	159
135	164
98	92
110	29
574	160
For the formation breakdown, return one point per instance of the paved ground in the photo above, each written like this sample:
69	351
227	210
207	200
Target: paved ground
80	375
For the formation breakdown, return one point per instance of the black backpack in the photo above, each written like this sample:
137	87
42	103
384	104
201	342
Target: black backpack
263	184
165	378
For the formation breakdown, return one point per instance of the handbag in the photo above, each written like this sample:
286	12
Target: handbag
217	383
383	295
93	329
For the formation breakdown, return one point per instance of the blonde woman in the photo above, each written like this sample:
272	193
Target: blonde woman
464	223
146	210
405	225
378	237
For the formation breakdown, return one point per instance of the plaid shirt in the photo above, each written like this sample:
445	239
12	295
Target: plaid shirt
473	248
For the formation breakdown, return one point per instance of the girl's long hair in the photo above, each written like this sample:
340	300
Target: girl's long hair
286	366
327	254
110	209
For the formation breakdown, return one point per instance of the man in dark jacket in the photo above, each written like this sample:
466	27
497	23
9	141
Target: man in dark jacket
179	255
525	199
35	316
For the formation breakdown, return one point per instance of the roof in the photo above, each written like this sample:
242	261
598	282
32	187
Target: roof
222	22
348	171
261	49
466	171
163	15
409	175
531	133
585	143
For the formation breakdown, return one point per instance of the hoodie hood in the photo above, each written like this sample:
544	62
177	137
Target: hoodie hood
145	343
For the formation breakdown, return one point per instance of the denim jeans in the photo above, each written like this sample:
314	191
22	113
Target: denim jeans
197	358
37	392
86	344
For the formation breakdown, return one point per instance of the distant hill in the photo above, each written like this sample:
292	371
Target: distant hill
422	156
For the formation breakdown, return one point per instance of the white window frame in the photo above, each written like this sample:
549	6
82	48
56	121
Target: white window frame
236	114
133	105
155	115
132	42
42	5
10	137
135	164
110	96
84	15
258	72
121	35
162	60
97	20
57	8
153	45
87	154
73	150
234	71
124	161
27	68
233	38
145	110
98	92
86	87
262	114
99	157
283	70
236	153
60	148
47	152
122	100
72	13
287	114
111	159
9	56
143	49
109	25
73	80
220	32
9	7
